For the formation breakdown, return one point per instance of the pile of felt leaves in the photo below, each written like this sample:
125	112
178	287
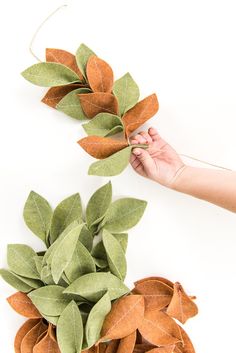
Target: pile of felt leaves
83	87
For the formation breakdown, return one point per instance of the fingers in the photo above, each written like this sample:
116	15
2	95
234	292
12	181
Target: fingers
143	158
145	136
153	134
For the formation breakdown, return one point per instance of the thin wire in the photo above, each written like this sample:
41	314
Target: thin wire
39	28
199	160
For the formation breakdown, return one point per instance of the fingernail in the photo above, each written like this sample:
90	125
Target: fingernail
136	151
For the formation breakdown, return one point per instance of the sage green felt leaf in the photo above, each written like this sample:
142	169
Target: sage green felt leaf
70	104
100	263
98	204
20	260
50	75
104	124
99	251
46	275
52	319
122	239
65	213
70	329
80	264
64	252
82	55
86	238
49	300
112	165
123	214
115	255
96	318
15	281
93	285
37	215
127	92
39	263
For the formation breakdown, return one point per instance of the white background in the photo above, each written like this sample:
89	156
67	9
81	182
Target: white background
185	52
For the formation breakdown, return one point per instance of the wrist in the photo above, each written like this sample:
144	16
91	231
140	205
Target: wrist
179	177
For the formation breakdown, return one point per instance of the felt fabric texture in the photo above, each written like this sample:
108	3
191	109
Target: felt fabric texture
23	330
127	343
30	339
98	102
101	147
21	303
55	94
99	74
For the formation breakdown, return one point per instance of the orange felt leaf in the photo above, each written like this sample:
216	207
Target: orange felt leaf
63	57
186	346
22	304
140	113
159	329
157	294
124	318
99	74
55	94
32	336
143	347
101	147
98	102
46	345
167	349
127	343
161	279
181	306
23	330
112	346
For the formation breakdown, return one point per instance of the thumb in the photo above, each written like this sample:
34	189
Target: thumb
145	158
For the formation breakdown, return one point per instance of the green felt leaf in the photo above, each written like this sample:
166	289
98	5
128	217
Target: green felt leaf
47	74
38	263
37	215
15	281
98	204
20	260
46	275
99	251
52	319
70	329
86	238
115	255
96	318
82	55
65	213
122	239
127	92
49	300
64	252
104	124
112	165
123	214
70	104
93	285
81	263
100	263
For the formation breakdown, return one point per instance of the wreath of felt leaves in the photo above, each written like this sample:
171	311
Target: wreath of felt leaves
83	87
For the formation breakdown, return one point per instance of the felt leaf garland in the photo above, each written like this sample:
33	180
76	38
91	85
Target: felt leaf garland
82	56
98	102
99	74
55	95
104	124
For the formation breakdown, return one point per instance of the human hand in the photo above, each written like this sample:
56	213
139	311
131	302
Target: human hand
159	162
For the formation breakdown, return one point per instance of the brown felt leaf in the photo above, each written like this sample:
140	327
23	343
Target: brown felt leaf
101	147
181	306
98	102
23	330
55	94
157	294
22	304
63	57
99	74
112	346
159	329
127	343
140	113
186	346
143	347
161	279
46	345
124	318
32	336
167	349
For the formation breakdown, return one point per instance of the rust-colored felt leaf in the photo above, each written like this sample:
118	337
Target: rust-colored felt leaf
55	94
32	336
186	346
160	279
99	74
167	349
181	306
127	343
157	294
159	329
46	345
23	330
124	318
101	147
63	57
143	347
22	304
98	102
112	346
140	113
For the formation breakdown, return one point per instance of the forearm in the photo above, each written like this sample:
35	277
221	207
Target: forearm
215	186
